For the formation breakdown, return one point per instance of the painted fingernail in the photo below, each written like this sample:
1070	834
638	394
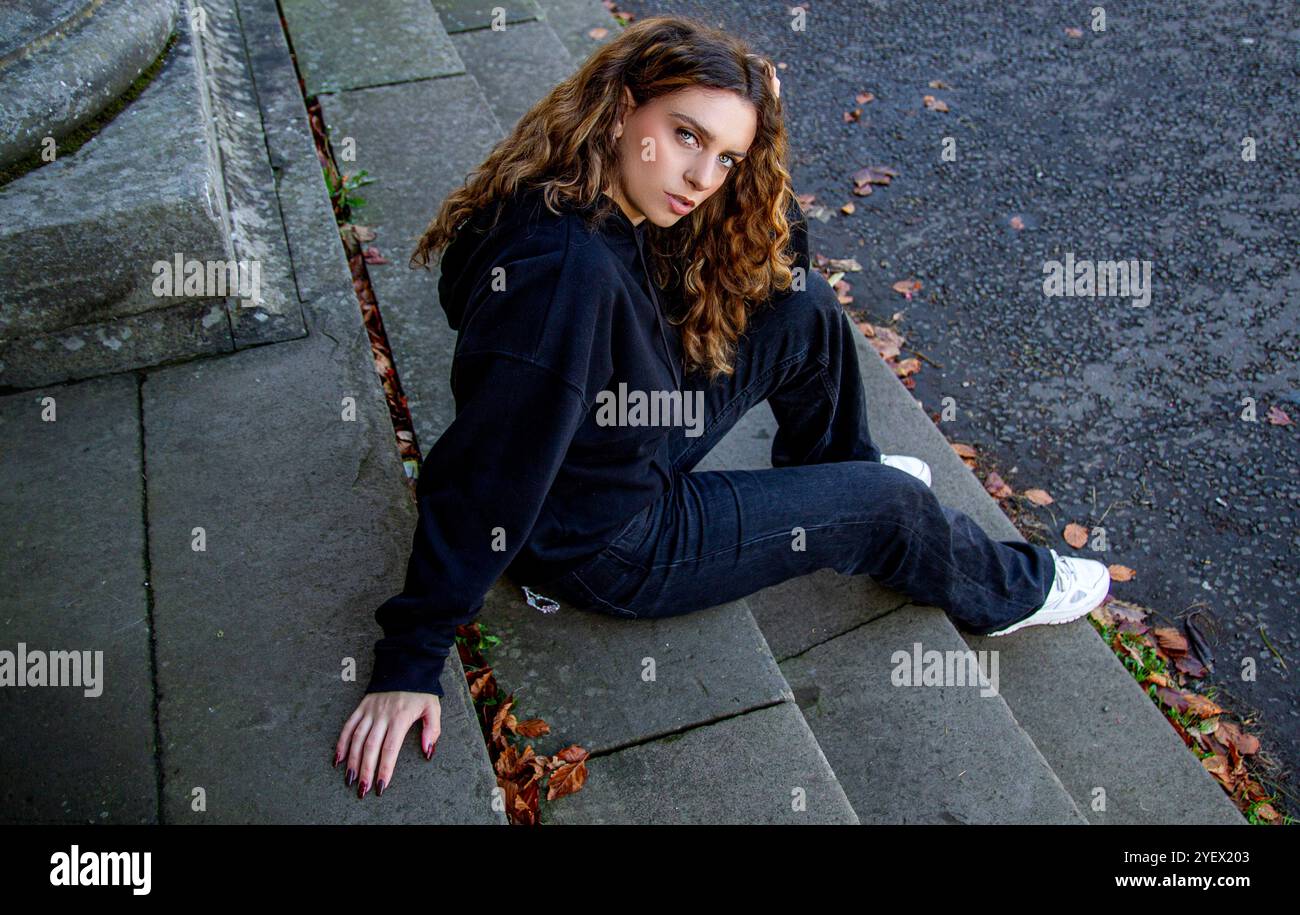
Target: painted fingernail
338	758
363	789
379	788
352	777
428	751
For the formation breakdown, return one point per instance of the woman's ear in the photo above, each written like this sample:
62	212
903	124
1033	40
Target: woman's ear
629	106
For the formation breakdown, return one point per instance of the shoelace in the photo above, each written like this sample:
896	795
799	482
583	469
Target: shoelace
1065	577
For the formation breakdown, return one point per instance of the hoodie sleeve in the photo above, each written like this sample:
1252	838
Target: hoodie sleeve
480	491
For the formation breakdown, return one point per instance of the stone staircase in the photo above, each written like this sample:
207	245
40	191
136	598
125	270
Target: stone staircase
777	708
773	709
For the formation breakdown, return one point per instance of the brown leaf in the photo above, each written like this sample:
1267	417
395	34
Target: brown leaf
479	680
598	32
532	727
1121	573
874	174
938	84
1266	812
573	754
852	116
1073	32
503	720
1124	610
372	256
1233	736
1158	679
997	487
907	287
864	98
934	104
1039	496
1171	641
1017	223
1278	417
1201	707
848	209
566	780
1190	666
1076	535
886	342
1173	698
862	190
907	367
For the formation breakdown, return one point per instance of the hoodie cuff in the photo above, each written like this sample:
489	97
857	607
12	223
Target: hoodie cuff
397	669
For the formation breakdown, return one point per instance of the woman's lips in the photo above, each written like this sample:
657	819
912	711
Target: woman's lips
678	204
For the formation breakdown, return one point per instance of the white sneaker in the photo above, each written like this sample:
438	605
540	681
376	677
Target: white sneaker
915	466
1079	586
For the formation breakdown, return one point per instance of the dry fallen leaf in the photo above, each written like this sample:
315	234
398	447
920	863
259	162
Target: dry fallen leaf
886	341
863	98
934	104
997	487
938	84
907	367
1121	573
598	32
907	287
566	780
848	209
1017	222
1076	535
1038	497
1201	707
1073	32
965	452
1278	417
1170	640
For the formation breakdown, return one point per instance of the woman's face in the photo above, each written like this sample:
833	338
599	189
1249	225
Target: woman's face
685	144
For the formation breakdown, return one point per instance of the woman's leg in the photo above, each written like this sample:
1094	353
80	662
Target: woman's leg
826	503
727	534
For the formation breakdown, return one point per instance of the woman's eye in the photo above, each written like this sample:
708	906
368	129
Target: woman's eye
683	130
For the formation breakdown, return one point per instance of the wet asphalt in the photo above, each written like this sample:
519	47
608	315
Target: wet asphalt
1122	143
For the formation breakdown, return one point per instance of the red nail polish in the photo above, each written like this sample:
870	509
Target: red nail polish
379	788
428	751
363	789
338	758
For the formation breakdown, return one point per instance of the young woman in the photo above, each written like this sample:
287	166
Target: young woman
634	244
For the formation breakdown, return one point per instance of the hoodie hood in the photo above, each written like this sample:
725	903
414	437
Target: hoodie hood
471	251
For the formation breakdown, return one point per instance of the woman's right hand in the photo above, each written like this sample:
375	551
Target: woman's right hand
372	737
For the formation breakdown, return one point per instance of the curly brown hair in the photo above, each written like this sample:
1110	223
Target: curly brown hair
727	255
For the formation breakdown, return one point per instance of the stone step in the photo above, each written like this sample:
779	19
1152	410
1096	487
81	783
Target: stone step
395	41
688	719
1098	730
306	527
1089	722
181	171
72	560
573	20
951	754
515	65
586	692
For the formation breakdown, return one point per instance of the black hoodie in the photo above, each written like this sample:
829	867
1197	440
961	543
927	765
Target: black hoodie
550	310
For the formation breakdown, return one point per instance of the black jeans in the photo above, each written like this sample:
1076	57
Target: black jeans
826	502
